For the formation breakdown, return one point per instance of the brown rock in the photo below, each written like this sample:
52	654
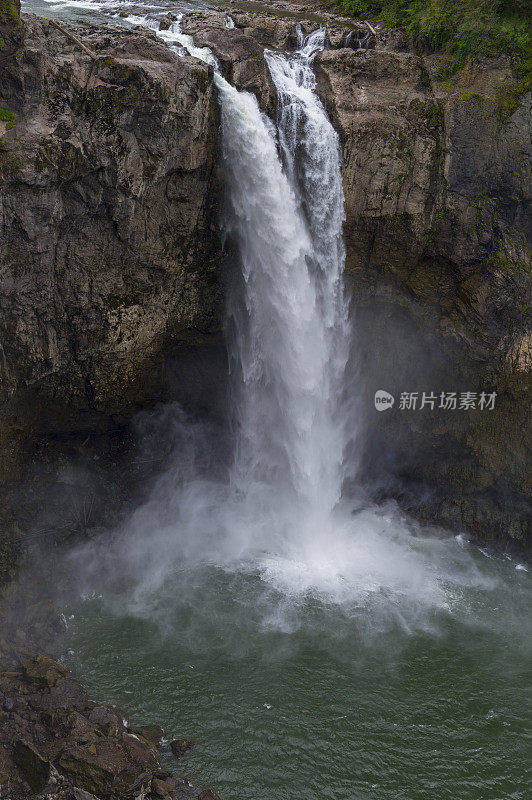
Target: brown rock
110	767
151	733
44	671
34	767
240	56
107	719
180	746
108	238
161	788
436	263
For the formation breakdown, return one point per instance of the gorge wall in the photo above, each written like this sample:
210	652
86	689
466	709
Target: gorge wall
110	247
112	269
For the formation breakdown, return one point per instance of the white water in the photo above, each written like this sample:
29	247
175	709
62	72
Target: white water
290	342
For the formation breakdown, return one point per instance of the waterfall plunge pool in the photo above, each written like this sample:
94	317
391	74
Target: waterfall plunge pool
296	698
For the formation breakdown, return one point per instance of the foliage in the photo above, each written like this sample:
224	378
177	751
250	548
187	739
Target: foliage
9	12
7	116
462	29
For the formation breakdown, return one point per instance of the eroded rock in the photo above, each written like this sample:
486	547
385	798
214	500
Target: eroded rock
108	231
435	234
44	671
181	746
61	744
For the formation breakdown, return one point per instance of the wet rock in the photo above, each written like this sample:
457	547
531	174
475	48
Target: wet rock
162	788
151	733
68	694
108	223
108	720
34	767
56	738
44	671
240	56
435	259
181	746
167	21
209	794
111	768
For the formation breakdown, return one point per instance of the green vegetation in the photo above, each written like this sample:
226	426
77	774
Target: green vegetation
461	29
9	12
500	260
7	116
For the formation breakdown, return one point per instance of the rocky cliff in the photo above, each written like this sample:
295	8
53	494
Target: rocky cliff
109	237
112	265
437	180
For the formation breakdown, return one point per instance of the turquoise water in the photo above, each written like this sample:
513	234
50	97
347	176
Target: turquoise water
297	698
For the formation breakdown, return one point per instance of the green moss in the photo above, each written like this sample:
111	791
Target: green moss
2	43
499	259
460	29
9	13
434	116
470	99
7	116
508	97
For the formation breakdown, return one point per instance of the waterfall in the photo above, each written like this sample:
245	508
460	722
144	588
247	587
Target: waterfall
291	329
280	516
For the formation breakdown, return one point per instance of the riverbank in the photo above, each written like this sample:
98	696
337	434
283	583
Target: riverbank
58	743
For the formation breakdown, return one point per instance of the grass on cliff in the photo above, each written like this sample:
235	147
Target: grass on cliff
9	12
462	29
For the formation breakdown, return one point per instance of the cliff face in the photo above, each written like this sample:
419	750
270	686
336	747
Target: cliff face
111	261
437	186
109	238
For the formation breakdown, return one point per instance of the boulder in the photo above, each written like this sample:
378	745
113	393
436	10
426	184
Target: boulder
239	55
181	746
107	719
34	767
44	671
151	733
109	768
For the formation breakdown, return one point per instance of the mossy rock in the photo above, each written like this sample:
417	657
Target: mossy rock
7	116
10	13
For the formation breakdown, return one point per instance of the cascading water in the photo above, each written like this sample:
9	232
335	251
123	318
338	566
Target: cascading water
281	515
291	360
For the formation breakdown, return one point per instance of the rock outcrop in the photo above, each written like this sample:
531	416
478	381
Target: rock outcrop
437	183
437	187
59	744
108	227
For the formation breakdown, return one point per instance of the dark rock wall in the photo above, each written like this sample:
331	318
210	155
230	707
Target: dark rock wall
108	228
438	189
